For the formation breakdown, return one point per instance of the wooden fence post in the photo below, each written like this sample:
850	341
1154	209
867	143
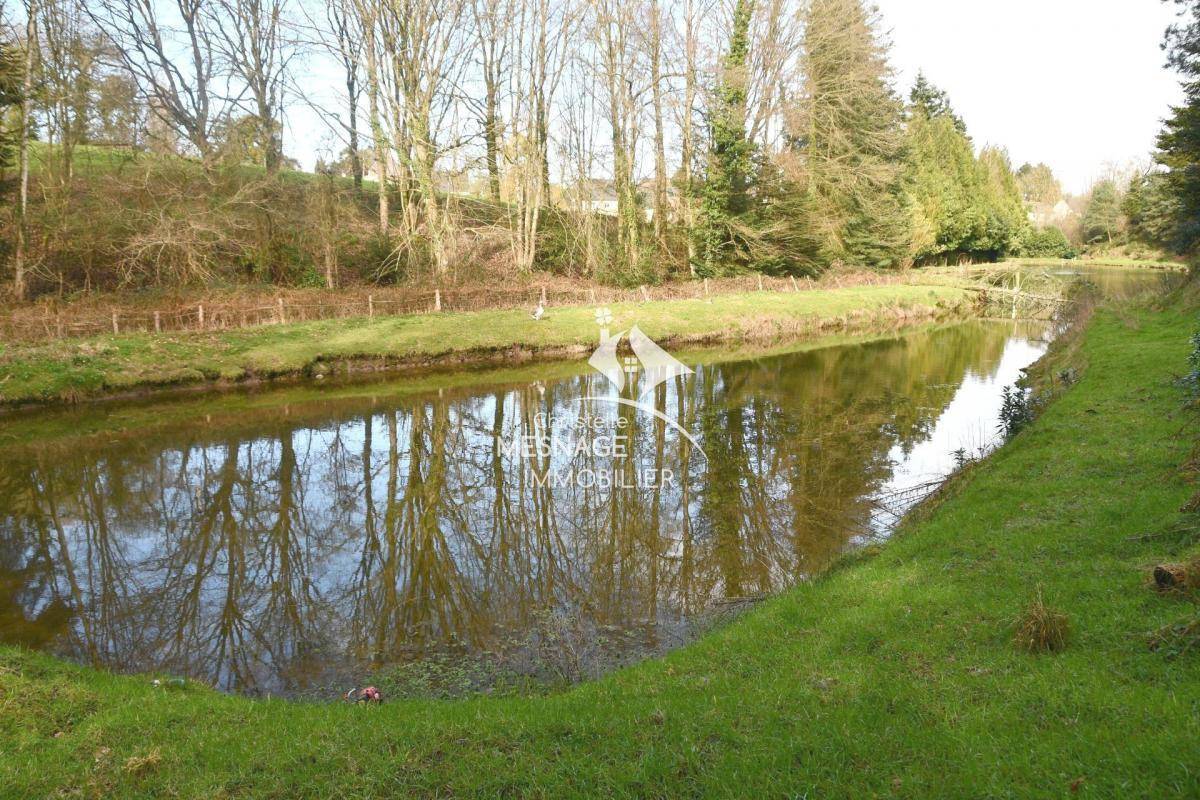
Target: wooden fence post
706	287
795	288
371	306
1017	295
200	317
59	325
543	298
592	295
760	283
437	299
116	328
157	322
279	309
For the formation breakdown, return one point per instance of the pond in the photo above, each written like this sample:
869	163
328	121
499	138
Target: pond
553	521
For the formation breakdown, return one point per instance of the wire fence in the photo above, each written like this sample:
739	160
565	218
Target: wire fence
51	321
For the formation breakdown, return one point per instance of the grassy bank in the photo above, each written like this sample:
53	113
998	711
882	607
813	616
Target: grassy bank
894	676
75	369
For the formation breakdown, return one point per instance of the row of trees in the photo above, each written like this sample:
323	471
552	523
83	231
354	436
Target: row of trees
748	134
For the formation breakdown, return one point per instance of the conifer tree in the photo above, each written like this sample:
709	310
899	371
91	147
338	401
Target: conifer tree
1179	142
724	196
1102	217
12	73
848	128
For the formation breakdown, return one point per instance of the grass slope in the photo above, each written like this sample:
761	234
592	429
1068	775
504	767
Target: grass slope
894	676
79	368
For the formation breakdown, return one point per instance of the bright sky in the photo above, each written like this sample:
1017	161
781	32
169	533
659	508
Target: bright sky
1073	83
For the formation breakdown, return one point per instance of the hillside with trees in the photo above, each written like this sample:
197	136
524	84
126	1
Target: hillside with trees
476	141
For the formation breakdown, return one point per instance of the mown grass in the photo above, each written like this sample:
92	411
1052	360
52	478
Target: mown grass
74	369
893	676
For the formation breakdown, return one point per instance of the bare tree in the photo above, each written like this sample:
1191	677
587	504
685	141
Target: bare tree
67	72
347	37
654	46
172	60
250	36
613	26
367	18
493	20
20	281
427	52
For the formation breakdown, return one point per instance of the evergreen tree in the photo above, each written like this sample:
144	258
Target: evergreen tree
848	131
1150	209
930	101
943	185
1101	222
12	72
1048	242
725	197
1179	142
1003	208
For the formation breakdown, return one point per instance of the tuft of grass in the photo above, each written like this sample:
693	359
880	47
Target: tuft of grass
136	765
1041	628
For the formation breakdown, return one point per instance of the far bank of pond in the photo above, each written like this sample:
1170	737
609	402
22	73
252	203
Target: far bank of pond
72	370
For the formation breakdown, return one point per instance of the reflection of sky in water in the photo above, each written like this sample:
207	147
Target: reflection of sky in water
969	423
289	552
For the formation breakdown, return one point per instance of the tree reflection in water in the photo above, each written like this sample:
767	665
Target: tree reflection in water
287	554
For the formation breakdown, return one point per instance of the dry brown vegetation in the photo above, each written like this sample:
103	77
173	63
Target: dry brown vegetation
1041	628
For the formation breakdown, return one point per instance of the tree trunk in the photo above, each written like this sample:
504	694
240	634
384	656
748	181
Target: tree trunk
491	136
660	152
20	283
377	136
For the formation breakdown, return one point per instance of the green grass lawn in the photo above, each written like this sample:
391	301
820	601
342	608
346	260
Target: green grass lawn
893	676
78	368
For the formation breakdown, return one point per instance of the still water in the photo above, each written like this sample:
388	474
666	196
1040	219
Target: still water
295	542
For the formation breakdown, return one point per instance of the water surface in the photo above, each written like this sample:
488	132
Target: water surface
294	544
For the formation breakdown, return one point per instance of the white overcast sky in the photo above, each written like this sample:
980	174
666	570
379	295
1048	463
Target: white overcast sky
1073	83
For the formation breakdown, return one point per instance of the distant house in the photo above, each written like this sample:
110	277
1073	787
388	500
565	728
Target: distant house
600	197
674	200
1044	214
597	196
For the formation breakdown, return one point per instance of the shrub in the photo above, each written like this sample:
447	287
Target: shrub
1193	377
1016	410
1049	242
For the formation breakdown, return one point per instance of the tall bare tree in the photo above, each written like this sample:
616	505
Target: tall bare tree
250	35
68	55
20	279
173	60
493	20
